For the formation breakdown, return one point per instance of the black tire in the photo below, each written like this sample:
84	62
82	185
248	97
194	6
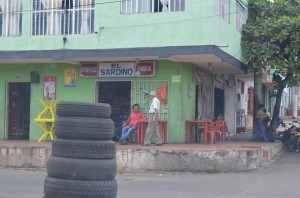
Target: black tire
63	188
84	128
84	149
81	169
83	109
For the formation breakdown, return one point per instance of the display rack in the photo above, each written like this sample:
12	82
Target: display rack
45	119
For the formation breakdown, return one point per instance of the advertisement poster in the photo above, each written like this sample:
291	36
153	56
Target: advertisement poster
49	87
70	77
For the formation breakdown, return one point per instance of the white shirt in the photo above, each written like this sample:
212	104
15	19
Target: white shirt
154	105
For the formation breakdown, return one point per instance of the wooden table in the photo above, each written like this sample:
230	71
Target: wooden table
191	129
163	128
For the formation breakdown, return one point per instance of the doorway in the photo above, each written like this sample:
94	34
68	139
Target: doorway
118	95
18	110
199	102
219	103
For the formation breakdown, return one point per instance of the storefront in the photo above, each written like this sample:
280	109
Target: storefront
112	83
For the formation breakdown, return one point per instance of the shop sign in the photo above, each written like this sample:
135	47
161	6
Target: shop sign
121	69
146	68
89	70
198	76
176	78
231	80
219	78
49	87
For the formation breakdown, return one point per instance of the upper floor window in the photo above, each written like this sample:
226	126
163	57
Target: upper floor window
148	6
223	9
10	18
239	16
59	17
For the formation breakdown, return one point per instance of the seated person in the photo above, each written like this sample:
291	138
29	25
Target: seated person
287	134
131	123
290	139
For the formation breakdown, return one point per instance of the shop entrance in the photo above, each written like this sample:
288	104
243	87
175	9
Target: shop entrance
199	103
219	103
118	95
18	111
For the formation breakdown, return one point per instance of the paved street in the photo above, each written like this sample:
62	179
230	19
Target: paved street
280	180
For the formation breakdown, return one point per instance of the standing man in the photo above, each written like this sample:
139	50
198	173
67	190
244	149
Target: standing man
259	121
152	129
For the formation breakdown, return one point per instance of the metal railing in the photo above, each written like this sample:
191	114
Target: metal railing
151	6
62	17
10	18
140	95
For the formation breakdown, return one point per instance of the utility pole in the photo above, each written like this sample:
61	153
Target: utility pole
295	94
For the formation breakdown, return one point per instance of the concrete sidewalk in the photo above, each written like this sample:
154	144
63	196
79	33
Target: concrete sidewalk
239	154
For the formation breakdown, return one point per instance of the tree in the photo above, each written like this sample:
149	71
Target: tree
271	38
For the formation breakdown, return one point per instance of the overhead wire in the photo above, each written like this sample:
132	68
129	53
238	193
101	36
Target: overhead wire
82	5
53	8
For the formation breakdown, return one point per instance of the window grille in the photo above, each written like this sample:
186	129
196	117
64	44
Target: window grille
239	17
61	17
10	18
149	6
223	9
140	95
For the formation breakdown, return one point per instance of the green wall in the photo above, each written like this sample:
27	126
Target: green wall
197	25
181	107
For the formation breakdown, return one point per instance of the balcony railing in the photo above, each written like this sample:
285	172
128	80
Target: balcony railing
151	6
62	17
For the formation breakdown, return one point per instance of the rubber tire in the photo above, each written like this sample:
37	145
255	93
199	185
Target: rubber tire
84	128
81	169
83	109
84	149
63	188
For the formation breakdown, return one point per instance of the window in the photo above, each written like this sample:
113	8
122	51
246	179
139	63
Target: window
223	8
59	17
10	18
239	17
148	6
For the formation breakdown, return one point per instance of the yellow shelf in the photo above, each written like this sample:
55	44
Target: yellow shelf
46	118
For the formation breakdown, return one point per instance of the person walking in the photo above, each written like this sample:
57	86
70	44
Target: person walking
153	129
131	123
259	121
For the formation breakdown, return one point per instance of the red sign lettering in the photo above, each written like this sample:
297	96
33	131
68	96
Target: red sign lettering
145	69
89	70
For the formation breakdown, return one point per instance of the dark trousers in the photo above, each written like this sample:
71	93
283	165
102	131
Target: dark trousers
260	130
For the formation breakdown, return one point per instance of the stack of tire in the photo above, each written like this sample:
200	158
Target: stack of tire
83	162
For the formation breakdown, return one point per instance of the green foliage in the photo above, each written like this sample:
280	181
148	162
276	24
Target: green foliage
271	37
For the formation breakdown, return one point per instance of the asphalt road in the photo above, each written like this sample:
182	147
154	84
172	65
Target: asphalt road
280	180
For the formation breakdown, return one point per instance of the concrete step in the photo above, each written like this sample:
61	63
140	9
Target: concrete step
232	156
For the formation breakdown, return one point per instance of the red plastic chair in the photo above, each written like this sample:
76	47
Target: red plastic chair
216	130
220	130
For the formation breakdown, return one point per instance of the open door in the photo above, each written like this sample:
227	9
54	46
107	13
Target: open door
118	95
18	111
219	103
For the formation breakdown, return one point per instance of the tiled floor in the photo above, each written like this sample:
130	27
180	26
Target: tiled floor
238	142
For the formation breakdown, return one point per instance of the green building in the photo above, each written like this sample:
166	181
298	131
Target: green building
117	52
